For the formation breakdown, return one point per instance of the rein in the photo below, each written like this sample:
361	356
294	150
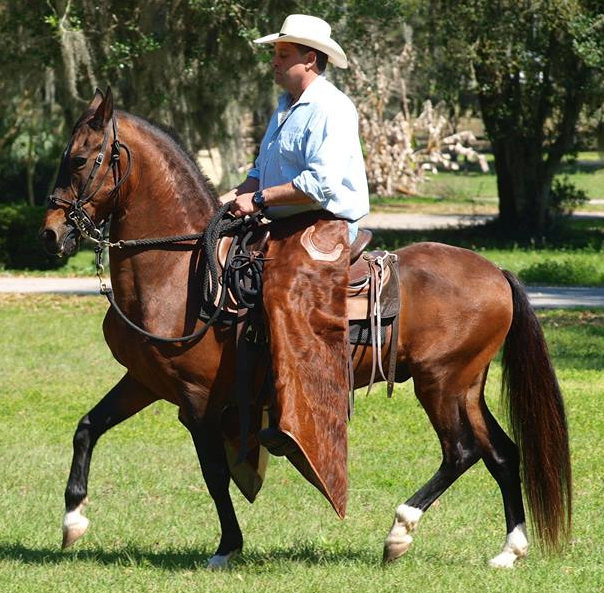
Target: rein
243	268
248	264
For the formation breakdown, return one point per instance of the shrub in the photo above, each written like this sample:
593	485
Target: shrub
565	197
568	272
20	246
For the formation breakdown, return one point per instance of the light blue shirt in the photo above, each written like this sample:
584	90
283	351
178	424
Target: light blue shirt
315	145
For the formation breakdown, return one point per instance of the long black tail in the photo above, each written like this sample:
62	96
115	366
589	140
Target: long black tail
538	421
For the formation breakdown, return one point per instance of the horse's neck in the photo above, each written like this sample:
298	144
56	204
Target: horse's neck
164	196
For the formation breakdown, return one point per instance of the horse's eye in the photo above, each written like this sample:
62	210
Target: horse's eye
77	162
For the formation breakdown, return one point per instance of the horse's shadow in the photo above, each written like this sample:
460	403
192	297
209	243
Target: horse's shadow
187	558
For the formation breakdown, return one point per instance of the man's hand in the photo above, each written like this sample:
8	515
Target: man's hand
228	197
240	198
242	205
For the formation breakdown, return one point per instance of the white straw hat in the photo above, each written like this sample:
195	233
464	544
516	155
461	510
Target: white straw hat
311	31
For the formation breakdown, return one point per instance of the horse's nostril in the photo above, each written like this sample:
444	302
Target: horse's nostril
50	240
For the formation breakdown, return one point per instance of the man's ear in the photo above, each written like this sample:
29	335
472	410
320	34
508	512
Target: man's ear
311	59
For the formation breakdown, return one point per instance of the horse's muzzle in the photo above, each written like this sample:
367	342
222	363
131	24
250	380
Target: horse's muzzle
61	242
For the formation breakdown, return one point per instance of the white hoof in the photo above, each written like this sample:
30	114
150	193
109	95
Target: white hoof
219	562
399	539
516	546
74	525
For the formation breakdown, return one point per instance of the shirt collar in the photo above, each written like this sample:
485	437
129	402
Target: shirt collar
310	94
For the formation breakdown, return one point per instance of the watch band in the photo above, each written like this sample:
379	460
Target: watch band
258	199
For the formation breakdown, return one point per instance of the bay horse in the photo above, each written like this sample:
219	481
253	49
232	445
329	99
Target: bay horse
457	311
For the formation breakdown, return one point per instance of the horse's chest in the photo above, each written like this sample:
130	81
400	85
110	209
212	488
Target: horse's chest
190	374
142	360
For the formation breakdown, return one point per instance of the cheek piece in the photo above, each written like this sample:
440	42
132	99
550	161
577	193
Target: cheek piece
77	214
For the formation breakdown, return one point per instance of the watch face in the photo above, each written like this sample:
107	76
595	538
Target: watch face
258	198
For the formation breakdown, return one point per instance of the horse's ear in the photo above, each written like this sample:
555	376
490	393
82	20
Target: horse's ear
104	111
97	99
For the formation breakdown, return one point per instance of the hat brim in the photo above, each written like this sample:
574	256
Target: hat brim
334	52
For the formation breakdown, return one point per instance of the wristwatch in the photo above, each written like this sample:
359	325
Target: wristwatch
258	199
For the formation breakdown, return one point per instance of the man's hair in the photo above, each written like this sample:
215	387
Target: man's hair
322	57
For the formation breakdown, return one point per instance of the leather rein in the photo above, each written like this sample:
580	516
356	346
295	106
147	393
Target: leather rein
248	262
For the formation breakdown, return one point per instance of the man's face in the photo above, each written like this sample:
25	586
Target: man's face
289	66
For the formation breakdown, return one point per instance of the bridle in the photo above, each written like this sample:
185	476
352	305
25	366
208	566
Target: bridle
77	213
245	261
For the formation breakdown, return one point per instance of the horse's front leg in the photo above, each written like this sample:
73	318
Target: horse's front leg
126	399
212	459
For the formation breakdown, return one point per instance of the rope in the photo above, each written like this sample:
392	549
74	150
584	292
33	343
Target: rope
248	266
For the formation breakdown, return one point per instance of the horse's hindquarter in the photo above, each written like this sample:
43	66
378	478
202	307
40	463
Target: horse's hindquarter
456	308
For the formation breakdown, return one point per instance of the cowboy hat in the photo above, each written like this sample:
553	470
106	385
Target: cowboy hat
311	31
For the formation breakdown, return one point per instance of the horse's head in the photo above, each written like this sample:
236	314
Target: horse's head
88	180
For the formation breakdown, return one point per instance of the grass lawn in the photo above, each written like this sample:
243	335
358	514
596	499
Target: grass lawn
152	522
80	264
570	256
473	192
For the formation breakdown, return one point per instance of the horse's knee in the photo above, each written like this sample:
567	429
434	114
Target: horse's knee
459	456
82	435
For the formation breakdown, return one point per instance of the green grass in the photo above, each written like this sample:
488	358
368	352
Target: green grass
586	172
472	192
571	255
553	267
153	524
80	264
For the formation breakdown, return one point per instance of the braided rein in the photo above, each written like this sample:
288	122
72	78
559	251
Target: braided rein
240	262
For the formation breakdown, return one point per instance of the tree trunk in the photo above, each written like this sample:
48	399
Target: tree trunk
522	187
30	167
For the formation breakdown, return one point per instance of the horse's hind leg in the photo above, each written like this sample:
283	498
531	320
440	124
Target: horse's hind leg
126	399
212	459
500	455
459	449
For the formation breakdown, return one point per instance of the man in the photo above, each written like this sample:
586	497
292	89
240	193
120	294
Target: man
311	162
310	157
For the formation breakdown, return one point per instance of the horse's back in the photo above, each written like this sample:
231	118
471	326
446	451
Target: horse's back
454	301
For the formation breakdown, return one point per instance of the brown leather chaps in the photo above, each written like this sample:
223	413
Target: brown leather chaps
304	292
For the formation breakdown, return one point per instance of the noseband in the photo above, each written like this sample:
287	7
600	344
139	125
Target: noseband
77	214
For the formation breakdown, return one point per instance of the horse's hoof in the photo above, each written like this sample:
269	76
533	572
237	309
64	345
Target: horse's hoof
516	546
395	549
220	561
503	560
399	539
74	526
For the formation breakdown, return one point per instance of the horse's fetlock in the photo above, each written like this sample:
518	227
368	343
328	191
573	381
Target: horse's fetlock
75	495
408	517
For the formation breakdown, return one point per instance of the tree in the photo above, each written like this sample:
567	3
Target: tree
29	123
537	64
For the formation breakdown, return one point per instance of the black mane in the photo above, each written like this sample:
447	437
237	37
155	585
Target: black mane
179	144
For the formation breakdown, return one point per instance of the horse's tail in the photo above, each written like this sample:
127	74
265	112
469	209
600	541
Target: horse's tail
538	421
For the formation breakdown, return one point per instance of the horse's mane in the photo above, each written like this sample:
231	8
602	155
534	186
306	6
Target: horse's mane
171	136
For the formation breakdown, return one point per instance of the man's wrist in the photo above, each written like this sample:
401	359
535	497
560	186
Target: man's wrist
258	199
